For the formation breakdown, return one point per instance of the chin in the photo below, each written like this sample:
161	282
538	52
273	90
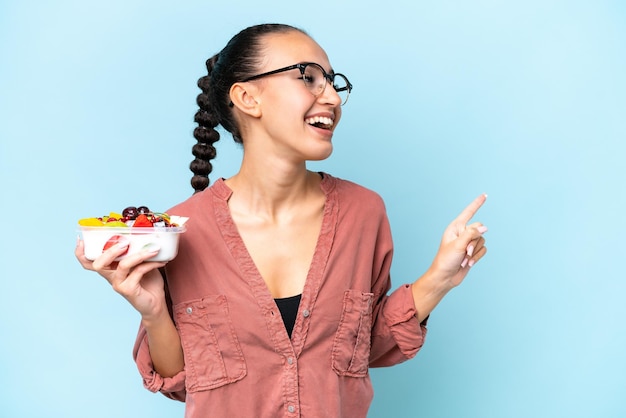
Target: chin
321	154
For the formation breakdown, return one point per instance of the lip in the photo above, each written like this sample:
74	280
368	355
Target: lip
326	133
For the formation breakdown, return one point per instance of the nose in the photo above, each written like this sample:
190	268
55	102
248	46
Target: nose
330	96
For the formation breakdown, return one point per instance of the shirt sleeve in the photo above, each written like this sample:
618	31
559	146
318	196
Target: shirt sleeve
172	387
396	333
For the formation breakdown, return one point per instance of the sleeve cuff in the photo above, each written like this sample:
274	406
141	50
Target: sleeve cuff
401	318
172	387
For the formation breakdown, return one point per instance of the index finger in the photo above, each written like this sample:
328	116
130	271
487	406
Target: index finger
469	212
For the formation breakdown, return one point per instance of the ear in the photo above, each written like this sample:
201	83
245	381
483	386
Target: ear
243	96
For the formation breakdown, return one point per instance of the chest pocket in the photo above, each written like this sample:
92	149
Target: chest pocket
213	356
351	347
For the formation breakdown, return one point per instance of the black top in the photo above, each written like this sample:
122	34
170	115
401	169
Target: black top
288	308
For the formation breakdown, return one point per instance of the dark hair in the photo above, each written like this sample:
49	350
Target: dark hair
239	59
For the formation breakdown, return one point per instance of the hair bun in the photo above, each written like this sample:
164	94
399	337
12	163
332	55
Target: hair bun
203	151
204	118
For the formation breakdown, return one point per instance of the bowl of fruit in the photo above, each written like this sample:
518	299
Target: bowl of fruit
145	230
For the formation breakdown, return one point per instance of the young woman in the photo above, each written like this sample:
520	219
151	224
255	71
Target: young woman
278	301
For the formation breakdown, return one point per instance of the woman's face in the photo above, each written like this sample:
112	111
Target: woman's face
297	123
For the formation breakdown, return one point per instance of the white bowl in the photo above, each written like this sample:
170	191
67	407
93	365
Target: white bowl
95	238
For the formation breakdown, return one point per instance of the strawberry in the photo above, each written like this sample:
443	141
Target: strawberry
142	221
115	239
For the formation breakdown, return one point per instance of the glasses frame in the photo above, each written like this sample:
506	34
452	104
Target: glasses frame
302	67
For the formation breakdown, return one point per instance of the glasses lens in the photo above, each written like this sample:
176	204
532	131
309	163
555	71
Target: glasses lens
314	80
342	87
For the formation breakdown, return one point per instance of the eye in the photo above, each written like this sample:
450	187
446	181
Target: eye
313	75
309	77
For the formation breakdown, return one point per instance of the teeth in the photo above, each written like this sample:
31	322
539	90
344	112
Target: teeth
320	119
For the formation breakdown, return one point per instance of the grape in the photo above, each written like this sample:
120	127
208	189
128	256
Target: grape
130	213
143	210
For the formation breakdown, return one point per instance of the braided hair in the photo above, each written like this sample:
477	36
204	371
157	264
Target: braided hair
239	59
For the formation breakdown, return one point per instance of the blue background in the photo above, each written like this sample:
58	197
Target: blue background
524	100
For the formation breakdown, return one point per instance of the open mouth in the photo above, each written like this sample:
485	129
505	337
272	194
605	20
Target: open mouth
321	122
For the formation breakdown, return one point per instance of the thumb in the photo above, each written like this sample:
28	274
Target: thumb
470	234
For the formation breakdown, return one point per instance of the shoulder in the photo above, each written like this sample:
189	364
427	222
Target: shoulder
202	201
353	195
189	206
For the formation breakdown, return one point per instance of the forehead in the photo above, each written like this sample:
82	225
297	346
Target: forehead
289	48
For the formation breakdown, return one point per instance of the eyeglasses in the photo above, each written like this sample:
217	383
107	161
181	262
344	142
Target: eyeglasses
314	78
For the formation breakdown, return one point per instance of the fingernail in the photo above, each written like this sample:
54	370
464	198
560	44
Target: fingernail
470	250
482	229
464	263
123	242
151	248
471	263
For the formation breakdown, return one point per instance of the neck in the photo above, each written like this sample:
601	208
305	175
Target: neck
271	189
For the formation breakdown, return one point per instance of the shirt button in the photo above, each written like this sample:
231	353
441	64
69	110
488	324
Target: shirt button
291	408
189	310
306	313
290	360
